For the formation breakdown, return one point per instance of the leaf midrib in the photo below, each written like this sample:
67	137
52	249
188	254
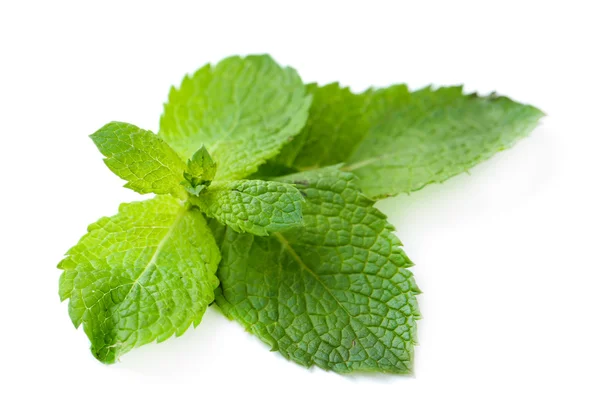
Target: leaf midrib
156	253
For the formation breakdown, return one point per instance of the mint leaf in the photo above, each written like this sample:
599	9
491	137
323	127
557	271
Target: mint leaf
334	293
399	141
254	206
201	165
147	163
243	110
142	275
200	171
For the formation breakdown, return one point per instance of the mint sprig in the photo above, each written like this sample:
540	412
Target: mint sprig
277	179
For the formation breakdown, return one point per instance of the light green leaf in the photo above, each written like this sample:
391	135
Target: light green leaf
142	275
147	163
200	172
404	141
243	110
201	165
334	293
254	206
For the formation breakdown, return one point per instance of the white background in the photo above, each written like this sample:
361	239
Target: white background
507	257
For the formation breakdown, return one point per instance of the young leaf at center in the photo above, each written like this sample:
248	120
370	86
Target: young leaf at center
200	172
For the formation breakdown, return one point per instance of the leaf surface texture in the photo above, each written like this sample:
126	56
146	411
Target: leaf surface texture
144	274
139	156
397	141
335	293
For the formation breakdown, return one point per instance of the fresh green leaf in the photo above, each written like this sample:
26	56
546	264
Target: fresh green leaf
396	141
142	275
243	110
201	170
194	189
201	165
334	293
254	206
147	163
